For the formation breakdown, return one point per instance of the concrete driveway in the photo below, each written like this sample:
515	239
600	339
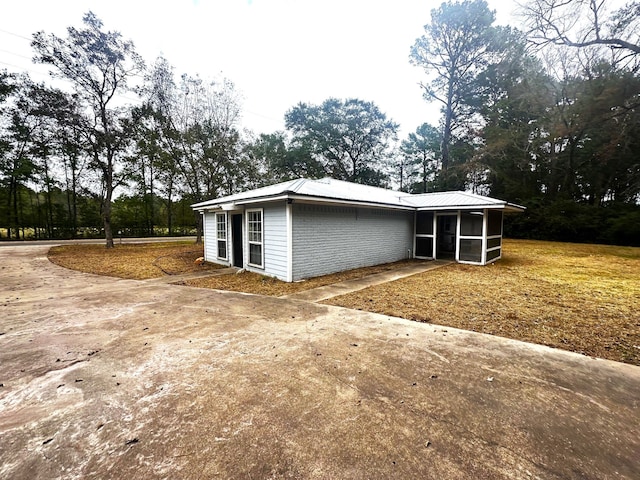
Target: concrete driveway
107	378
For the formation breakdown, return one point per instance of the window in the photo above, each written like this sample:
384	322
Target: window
471	224
221	234
424	247
494	224
254	234
471	250
424	223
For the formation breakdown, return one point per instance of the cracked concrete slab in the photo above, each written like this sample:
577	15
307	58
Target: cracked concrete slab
109	378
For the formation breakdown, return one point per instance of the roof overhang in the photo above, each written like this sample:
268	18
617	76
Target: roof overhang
506	207
235	204
291	197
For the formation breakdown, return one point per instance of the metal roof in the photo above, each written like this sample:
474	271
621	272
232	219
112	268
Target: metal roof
329	189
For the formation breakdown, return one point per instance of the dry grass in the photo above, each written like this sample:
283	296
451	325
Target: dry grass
250	282
135	261
583	298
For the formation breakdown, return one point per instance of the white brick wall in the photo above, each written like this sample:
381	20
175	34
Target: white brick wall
329	239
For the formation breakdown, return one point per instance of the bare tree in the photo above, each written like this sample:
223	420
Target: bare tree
98	64
584	23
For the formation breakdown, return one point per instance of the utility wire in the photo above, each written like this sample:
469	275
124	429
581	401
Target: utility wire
15	34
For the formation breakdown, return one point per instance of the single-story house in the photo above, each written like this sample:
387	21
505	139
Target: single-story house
305	228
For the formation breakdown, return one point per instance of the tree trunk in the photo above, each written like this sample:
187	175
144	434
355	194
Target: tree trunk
106	218
446	134
106	212
15	221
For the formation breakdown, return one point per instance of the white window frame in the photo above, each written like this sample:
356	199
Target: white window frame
432	235
482	237
220	238
253	241
493	237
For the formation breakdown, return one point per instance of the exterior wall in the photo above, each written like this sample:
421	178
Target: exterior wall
209	228
274	242
328	239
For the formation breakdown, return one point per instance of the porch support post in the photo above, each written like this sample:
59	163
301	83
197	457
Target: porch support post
458	235
435	234
485	224
289	220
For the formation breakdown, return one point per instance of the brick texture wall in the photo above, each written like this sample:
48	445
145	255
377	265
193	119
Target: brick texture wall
329	239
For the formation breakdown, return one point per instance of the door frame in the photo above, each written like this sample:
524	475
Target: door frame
438	234
237	239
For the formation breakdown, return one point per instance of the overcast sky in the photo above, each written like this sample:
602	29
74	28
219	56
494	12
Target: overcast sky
277	52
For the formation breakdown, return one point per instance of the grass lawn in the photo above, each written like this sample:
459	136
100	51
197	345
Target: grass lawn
583	298
135	261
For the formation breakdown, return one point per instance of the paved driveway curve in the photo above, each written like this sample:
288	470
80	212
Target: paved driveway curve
107	378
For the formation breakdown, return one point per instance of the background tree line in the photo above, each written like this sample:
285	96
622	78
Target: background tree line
545	116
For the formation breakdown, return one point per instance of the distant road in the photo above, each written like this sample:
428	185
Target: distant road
116	240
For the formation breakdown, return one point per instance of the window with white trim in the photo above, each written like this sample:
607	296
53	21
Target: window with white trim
221	234
254	236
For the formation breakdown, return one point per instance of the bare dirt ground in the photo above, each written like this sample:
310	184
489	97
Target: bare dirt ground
113	378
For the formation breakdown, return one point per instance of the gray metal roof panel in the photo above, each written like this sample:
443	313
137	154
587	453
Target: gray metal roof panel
331	189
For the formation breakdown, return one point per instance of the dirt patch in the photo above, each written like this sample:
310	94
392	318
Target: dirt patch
134	261
581	298
249	282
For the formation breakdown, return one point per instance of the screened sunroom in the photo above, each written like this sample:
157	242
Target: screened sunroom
466	236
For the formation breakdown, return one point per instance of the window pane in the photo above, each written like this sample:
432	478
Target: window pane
471	224
493	254
222	249
424	247
471	250
494	242
494	223
221	226
424	223
255	254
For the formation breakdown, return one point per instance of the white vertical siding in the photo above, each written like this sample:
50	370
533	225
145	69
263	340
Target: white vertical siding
328	239
275	239
209	228
210	243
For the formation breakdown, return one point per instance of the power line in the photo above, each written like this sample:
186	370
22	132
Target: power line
15	35
14	54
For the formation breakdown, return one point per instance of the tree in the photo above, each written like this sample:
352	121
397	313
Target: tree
585	23
29	145
280	160
194	124
422	152
350	139
458	44
99	66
